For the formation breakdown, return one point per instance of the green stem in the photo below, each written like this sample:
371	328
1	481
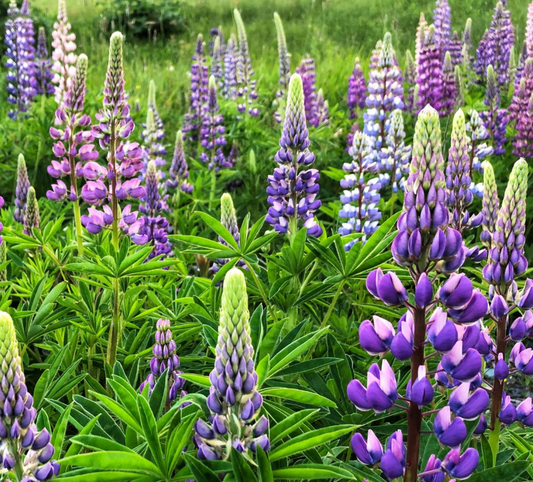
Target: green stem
494	440
115	328
262	291
77	220
213	188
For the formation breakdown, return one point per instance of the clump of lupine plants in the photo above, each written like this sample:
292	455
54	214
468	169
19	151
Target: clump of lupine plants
376	327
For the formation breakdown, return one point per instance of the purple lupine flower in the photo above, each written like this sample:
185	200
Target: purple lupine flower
495	46
394	156
165	358
43	64
458	179
21	190
233	398
385	94
198	95
20	53
306	70
73	140
368	452
426	242
374	56
466	52
419	40
523	141
522	93
230	69
442	21
410	79
214	34
460	466
455	47
429	74
360	198
292	191
449	93
356	89
212	131
64	55
478	149
26	452
117	182
529	31
152	228
494	118
247	85
179	170
322	109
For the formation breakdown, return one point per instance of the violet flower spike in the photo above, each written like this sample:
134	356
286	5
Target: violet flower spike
356	89
43	64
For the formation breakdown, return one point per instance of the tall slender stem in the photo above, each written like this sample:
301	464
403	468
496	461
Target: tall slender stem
115	328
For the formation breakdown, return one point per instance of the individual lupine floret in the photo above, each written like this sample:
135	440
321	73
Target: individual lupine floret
212	132
523	141
322	110
109	186
494	118
495	46
425	242
246	83
292	191
179	170
233	400
42	66
449	93
165	359
198	95
152	228
284	60
385	94
360	198
32	217
429	73
356	89
458	179
21	190
443	29
230	69
410	79
306	70
394	157
64	55
26	452
20	53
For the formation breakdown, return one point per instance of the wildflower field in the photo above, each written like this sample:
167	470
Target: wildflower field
251	241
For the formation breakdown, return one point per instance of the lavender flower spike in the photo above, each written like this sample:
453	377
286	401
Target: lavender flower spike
179	170
495	118
26	452
429	73
292	192
42	66
442	21
31	215
64	55
165	358
449	93
356	89
524	136
21	191
233	399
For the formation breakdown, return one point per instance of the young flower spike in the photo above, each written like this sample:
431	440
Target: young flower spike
495	118
284	60
233	400
31	215
26	452
292	192
42	66
21	191
165	358
64	55
179	170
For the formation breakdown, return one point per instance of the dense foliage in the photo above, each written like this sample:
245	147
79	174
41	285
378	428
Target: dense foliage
272	284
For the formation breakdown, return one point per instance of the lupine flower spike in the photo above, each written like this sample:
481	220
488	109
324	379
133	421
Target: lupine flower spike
64	54
523	141
306	70
73	147
165	358
442	22
284	68
429	73
26	452
32	217
410	79
230	69
292	191
246	83
425	242
233	399
449	93
21	191
491	204
494	118
106	187
42	66
356	89
179	170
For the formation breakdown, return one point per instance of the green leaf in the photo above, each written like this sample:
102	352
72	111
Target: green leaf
199	470
133	462
112	476
200	380
312	472
504	473
308	365
241	469
59	433
149	427
97	443
291	424
264	469
301	396
178	439
309	440
219	228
